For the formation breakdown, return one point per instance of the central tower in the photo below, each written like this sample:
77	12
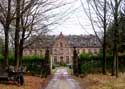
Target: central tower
61	50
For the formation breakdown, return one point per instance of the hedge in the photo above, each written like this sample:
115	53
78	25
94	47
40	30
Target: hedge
93	63
34	64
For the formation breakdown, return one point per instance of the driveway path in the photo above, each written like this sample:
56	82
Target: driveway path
62	80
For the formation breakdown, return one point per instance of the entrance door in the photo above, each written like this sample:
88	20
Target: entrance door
61	59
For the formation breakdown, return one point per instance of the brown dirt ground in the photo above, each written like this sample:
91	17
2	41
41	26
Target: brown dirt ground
85	82
31	82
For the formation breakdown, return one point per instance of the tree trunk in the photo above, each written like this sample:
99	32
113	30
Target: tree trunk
22	36
17	34
113	64
104	59
104	40
21	55
6	32
6	47
117	67
116	38
21	46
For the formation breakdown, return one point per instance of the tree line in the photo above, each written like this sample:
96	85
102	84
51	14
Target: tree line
107	17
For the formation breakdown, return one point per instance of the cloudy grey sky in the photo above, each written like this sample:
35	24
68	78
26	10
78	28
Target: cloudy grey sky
71	22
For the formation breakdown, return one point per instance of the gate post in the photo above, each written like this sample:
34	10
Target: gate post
75	61
47	61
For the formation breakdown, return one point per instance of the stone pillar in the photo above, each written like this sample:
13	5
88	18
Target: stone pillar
75	61
51	63
47	61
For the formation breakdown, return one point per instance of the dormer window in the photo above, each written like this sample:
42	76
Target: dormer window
94	43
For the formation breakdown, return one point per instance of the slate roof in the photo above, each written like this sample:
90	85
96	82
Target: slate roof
42	41
81	41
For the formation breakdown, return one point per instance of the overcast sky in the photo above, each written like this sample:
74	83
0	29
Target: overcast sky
71	22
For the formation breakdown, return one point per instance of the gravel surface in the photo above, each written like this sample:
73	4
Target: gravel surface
62	80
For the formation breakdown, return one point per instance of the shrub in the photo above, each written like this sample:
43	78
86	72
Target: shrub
87	67
1	58
11	59
34	63
85	57
62	63
93	63
89	63
53	67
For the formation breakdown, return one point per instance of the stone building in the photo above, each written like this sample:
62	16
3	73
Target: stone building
61	47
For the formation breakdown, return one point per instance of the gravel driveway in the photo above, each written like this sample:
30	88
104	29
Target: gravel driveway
62	80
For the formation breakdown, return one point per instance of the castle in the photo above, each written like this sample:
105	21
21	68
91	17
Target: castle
61	47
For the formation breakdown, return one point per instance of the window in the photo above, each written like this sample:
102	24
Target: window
30	51
55	50
94	44
67	59
61	49
83	50
55	59
35	51
61	44
95	51
26	52
61	58
67	51
41	51
89	51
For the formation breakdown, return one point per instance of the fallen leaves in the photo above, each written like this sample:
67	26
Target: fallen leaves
31	82
100	81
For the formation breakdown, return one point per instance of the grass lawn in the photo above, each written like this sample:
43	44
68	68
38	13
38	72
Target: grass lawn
99	81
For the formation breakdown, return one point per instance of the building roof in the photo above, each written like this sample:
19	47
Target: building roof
79	41
83	41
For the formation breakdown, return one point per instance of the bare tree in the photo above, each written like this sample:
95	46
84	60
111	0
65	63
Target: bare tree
5	20
17	32
99	16
34	19
106	11
28	18
115	4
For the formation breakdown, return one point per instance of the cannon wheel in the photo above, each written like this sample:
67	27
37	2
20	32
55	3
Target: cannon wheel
20	80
